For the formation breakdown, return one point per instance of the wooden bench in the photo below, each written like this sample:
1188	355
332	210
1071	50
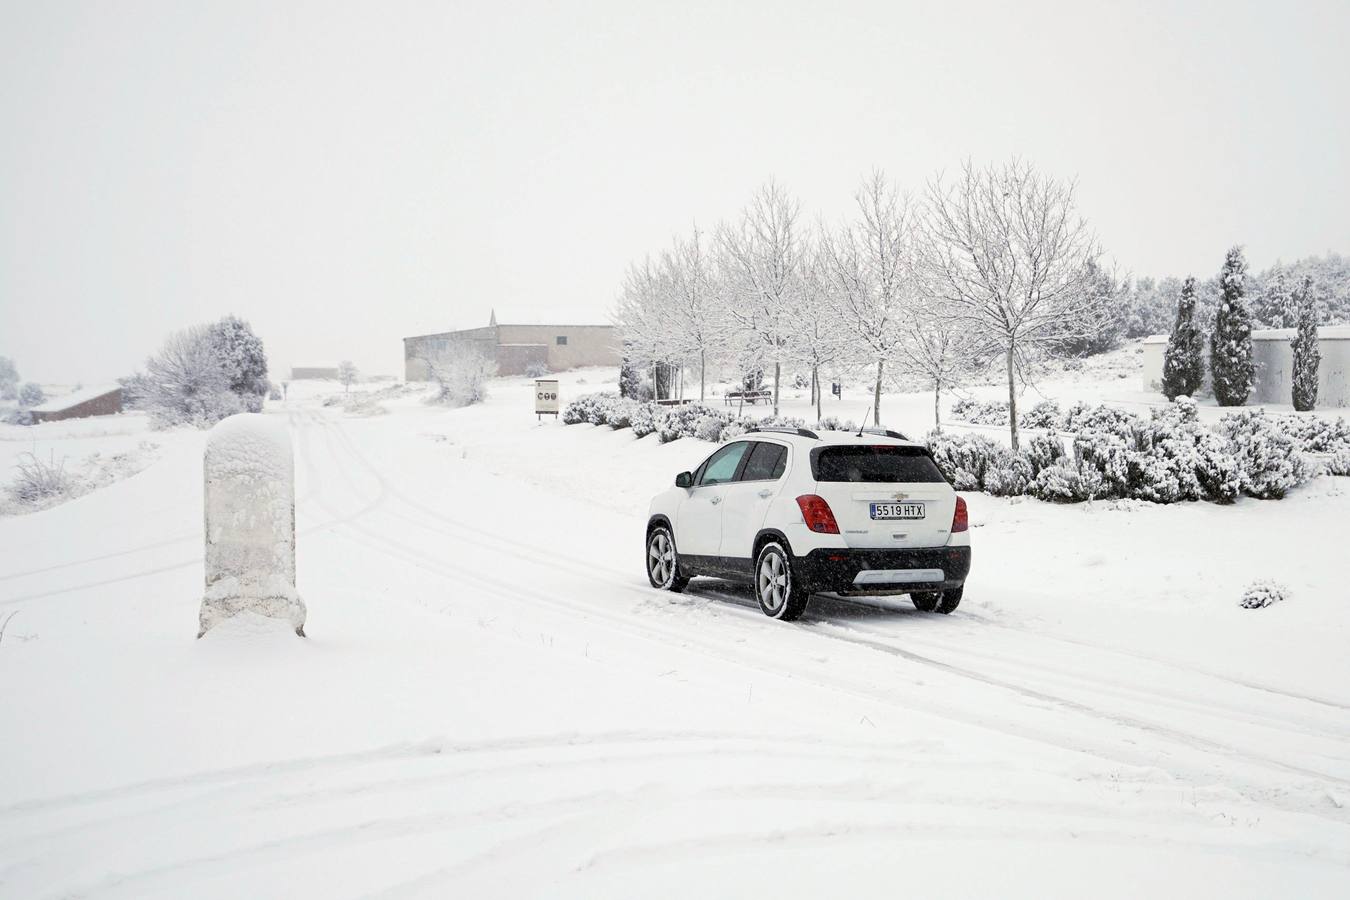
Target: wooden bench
751	397
672	401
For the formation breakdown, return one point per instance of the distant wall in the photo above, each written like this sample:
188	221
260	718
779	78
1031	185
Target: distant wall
517	347
299	373
103	405
581	345
417	350
1274	356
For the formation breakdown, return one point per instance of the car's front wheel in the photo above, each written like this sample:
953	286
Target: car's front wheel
779	594
663	563
937	601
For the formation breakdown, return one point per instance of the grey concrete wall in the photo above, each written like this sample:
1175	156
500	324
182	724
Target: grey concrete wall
587	345
432	346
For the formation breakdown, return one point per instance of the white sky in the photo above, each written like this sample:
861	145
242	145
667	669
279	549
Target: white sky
343	175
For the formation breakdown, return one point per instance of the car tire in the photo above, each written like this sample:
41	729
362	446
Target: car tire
937	601
925	601
663	561
779	594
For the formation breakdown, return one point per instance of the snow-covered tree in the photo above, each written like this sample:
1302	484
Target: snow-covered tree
1273	306
347	374
9	379
870	274
694	305
1007	251
1184	363
461	373
645	319
1307	355
935	351
1230	347
243	358
186	382
760	259
817	334
1113	298
31	394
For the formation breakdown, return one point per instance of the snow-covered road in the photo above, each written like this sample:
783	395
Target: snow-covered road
492	701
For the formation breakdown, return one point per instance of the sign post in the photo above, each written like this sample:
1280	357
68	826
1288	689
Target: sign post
545	397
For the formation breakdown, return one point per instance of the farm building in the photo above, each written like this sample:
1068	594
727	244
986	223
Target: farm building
1274	358
103	400
516	348
318	373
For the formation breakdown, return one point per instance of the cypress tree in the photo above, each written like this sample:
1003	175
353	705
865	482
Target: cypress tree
1184	365
1307	356
1230	346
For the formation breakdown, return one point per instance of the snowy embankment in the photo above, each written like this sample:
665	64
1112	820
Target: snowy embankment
492	702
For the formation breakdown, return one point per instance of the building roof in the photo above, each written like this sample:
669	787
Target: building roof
75	398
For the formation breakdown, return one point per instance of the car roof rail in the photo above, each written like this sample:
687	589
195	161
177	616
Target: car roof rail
885	432
781	429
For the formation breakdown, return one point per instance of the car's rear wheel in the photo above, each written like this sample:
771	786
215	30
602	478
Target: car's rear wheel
778	593
937	601
663	562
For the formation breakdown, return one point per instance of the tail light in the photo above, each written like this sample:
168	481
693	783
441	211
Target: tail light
960	518
817	514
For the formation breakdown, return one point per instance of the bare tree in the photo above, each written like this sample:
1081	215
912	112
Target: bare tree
760	258
1007	252
645	319
186	383
347	374
461	373
869	270
818	337
936	351
690	302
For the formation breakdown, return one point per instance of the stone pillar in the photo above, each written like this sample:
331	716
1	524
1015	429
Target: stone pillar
250	522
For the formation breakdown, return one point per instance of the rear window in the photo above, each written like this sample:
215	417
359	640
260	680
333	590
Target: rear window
874	464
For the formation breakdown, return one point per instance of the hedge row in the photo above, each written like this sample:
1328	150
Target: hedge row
1168	458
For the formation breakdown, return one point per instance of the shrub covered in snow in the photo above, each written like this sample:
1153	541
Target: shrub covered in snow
980	412
31	394
832	423
1339	464
38	480
709	428
965	459
643	419
1272	462
1315	435
1085	417
536	370
1045	414
1263	593
1068	482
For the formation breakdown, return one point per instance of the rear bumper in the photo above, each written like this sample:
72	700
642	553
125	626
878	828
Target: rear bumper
847	571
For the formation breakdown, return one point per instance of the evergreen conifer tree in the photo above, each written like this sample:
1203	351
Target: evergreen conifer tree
1184	365
1230	347
1307	356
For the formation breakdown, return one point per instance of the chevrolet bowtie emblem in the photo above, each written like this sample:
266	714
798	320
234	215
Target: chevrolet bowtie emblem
901	495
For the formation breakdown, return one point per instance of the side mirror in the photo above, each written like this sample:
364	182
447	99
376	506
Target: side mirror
684	480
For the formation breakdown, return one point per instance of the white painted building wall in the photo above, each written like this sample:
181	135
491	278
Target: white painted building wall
1274	356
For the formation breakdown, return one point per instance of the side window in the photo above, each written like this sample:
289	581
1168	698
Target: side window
766	462
561	340
721	466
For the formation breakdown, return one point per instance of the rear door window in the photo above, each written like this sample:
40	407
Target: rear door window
721	466
876	464
766	463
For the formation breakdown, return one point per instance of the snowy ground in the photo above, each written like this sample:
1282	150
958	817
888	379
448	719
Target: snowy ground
492	702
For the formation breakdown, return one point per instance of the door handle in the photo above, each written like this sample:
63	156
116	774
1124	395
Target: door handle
766	493
714	500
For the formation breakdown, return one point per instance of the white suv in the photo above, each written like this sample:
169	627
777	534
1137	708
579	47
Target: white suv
794	513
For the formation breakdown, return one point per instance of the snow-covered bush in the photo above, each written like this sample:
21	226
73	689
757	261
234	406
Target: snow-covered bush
31	394
1109	456
832	423
1045	414
1230	346
1263	593
1339	464
1271	460
243	359
621	412
979	412
1068	482
201	375
1043	451
1184	361
1085	417
643	419
734	430
709	428
1316	435
536	370
675	422
964	459
38	481
1008	474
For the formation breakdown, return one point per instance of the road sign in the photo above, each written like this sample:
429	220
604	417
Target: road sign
546	396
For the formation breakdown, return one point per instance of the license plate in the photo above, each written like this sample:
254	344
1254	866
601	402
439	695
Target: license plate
897	511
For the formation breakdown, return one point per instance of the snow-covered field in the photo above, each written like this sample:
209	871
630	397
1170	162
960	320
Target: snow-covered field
492	702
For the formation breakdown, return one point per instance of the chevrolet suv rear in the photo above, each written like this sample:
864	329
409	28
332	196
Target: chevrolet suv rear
793	513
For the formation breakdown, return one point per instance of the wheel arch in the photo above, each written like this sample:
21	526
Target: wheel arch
657	521
766	535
